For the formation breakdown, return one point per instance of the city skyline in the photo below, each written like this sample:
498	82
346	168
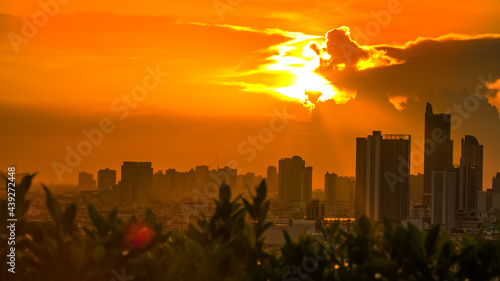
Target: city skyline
319	185
239	87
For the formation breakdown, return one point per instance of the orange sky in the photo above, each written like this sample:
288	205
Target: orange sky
228	71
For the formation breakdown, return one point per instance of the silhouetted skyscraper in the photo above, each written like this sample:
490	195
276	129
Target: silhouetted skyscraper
438	150
294	180
495	184
86	181
345	189
416	188
443	197
106	178
331	188
272	179
382	176
471	173
137	181
306	184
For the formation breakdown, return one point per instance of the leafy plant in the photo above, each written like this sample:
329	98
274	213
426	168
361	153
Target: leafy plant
230	245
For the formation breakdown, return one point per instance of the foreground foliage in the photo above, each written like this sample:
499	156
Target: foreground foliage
230	246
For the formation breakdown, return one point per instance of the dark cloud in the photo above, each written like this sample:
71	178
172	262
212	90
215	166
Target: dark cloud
452	72
450	62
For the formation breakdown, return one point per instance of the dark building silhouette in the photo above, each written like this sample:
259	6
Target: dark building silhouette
490	200
136	182
443	197
294	180
416	188
438	148
106	178
346	187
495	184
86	181
382	176
201	176
272	179
471	174
315	210
306	183
225	175
331	191
249	180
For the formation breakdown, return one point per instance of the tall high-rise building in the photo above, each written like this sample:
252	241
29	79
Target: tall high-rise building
331	191
106	178
306	184
438	150
495	184
443	197
86	181
272	179
416	188
346	187
137	181
294	180
382	176
471	174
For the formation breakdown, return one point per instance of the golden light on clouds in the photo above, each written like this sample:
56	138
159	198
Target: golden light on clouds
296	57
296	62
398	102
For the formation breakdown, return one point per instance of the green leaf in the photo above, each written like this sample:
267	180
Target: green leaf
68	217
224	194
113	215
53	205
261	191
98	221
431	239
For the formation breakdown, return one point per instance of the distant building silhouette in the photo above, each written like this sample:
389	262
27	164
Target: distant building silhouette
438	150
86	181
136	182
201	176
294	180
306	184
490	200
417	188
315	210
249	180
382	176
331	188
443	197
106	178
172	184
495	184
471	174
272	179
160	186
225	175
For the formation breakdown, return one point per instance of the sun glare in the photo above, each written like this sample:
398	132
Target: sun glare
298	59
